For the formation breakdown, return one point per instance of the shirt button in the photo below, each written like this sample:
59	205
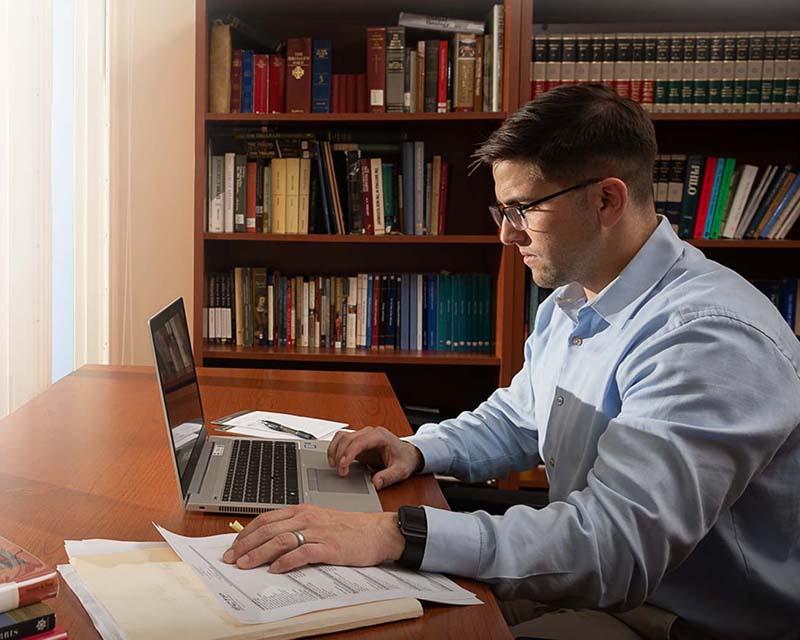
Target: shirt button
577	342
560	400
552	462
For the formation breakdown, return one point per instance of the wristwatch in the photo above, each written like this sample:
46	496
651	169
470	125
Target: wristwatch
413	524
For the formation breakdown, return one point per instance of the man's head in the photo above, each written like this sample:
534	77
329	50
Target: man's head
565	137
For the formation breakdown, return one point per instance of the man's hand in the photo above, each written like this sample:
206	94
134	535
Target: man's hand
378	448
331	537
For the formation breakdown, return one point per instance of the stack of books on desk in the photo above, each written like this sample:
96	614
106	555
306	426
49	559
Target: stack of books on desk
24	582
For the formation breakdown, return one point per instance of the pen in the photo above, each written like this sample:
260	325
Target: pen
235	526
277	426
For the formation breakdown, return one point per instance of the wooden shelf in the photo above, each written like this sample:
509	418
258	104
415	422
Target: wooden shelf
746	244
350	238
333	118
312	354
788	116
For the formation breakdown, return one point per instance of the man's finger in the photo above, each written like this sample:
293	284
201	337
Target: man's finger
309	553
348	453
389	475
257	537
336	444
268	517
269	551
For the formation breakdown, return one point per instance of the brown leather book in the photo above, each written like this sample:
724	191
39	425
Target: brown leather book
376	69
219	68
298	75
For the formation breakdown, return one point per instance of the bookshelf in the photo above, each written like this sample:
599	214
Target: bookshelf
470	244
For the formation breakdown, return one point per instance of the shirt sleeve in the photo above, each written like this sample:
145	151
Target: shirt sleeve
497	437
697	424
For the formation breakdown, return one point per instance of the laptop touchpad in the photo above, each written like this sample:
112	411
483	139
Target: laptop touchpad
327	480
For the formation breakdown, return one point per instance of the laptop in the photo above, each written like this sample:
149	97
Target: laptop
239	475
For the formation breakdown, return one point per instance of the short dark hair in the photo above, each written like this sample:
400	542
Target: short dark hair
578	132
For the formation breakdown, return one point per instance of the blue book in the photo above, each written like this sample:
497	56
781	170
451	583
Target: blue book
430	320
412	325
247	81
323	186
408	187
777	181
715	194
321	63
779	210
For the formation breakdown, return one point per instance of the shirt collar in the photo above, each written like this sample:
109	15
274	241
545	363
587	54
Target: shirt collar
615	303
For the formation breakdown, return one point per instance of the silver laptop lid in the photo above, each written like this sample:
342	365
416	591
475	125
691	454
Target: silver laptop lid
180	395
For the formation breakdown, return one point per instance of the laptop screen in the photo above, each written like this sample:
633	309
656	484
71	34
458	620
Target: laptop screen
179	391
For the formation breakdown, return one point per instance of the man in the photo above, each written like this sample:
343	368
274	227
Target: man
660	389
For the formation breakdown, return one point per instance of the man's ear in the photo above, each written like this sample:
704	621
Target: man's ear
611	199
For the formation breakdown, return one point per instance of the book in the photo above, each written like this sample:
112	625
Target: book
465	51
395	74
298	75
219	68
691	195
321	65
236	81
24	578
376	69
438	23
58	633
260	83
496	22
709	172
27	621
746	181
247	81
276	93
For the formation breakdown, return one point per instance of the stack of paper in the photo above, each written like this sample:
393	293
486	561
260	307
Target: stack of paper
251	424
143	590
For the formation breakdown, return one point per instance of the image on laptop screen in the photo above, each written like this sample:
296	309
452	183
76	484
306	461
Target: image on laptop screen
178	379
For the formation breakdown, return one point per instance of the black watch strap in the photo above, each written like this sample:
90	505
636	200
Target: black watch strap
413	525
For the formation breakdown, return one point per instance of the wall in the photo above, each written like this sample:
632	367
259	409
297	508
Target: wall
152	45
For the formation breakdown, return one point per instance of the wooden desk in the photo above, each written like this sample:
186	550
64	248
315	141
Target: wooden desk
89	458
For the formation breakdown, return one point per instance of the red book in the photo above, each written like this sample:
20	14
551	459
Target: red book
441	100
376	311
298	75
351	93
250	210
361	92
24	579
260	83
336	92
57	633
366	197
444	174
236	81
705	196
376	69
277	84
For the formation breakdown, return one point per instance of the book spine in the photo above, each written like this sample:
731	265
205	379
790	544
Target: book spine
498	48
649	72
216	209
781	71
768	70
250	186
431	67
740	72
366	196
259	181
321	73
292	195
477	102
687	72
419	188
247	81
622	65
583	60
298	75
388	197
277	84
661	98
278	195
691	192
31	625
677	169
715	72
465	50
408	188
700	84
395	69
793	73
709	171
675	73
555	48
304	196
376	184
755	69
219	68
728	83
376	69
609	59
409	79
240	194
236	81
260	82
22	593
444	179
441	86
569	58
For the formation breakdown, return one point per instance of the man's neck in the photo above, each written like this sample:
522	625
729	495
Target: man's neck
615	256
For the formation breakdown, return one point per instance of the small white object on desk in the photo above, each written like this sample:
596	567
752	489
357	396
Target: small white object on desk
250	424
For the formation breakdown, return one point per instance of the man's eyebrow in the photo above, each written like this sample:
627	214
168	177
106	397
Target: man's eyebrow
516	199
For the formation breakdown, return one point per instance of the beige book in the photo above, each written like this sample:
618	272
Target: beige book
292	195
278	167
152	595
219	68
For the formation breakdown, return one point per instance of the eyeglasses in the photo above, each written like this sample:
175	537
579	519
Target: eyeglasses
515	214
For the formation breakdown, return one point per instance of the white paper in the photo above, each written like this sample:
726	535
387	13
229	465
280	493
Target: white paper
254	595
250	425
100	546
185	433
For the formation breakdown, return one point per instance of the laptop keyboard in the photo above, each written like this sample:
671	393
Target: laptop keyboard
264	472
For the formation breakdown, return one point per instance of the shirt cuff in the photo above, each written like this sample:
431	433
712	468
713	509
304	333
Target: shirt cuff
434	452
453	544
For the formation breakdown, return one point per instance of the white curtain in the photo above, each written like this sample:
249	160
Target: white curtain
26	30
25	211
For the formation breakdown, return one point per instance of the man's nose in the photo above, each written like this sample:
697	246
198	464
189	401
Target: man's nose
509	235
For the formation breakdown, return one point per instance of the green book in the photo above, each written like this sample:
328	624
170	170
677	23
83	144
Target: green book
723	198
389	198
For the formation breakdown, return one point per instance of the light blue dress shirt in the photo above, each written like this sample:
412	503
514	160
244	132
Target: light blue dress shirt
666	412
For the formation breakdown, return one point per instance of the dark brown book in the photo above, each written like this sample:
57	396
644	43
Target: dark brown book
260	83
298	75
236	81
337	80
376	69
350	93
361	92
